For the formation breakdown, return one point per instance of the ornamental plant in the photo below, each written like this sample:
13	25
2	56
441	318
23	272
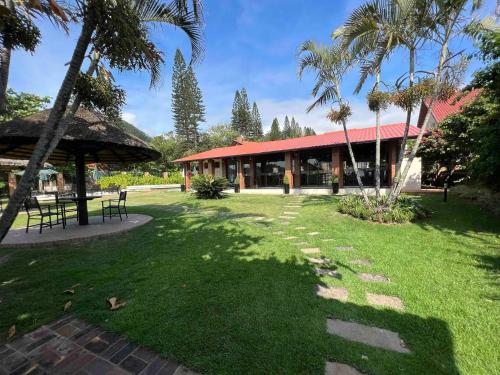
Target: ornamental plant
208	187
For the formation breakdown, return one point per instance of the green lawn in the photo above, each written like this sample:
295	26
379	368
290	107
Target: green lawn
215	289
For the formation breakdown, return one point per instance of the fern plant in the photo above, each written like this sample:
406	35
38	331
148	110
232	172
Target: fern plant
208	187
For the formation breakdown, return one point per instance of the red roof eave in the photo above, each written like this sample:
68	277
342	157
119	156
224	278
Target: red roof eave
361	135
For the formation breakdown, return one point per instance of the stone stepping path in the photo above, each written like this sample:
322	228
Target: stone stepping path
337	368
286	217
290	213
385	301
300	228
292	206
290	238
312	233
327	239
362	262
332	292
319	260
302	243
370	277
70	345
344	248
310	250
278	232
372	336
327	272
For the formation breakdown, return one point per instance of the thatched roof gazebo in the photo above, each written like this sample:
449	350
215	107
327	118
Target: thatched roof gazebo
90	138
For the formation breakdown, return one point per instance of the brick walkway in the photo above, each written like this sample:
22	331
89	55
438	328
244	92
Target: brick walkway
72	346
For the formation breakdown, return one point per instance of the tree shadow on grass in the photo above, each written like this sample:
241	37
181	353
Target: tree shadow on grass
491	264
217	297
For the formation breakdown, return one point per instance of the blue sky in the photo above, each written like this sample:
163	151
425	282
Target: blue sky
248	43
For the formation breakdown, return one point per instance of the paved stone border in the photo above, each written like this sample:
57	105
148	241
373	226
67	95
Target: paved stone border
332	292
374	278
70	346
385	301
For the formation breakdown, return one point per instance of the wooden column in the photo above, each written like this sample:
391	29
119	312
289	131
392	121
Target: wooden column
288	168
337	167
223	168
200	166
60	183
241	174
12	182
252	172
393	157
211	168
296	172
187	175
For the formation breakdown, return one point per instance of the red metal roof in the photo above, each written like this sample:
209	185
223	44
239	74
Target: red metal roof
392	131
445	108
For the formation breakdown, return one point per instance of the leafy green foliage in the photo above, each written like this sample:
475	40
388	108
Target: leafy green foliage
100	94
123	180
405	209
378	100
275	132
23	104
241	117
220	135
309	131
340	115
18	31
286	181
208	187
256	131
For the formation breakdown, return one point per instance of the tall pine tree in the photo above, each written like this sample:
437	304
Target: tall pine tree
295	129
257	131
275	132
287	129
241	119
309	131
187	102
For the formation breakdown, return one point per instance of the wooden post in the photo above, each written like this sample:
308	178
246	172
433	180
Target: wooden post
296	172
12	182
81	189
200	167
223	168
337	167
252	172
211	168
392	162
187	175
241	173
60	183
288	168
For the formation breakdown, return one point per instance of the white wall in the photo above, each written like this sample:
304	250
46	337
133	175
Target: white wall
413	180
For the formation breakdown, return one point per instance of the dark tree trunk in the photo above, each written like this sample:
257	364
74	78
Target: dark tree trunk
53	130
4	78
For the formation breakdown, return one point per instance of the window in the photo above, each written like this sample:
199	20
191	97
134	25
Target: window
231	170
270	170
316	167
365	160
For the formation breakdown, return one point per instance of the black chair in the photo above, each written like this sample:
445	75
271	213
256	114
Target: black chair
65	203
37	212
116	205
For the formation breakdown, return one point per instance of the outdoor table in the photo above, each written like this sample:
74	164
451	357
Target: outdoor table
81	202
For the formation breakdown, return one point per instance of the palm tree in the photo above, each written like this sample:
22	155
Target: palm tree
100	21
330	63
23	12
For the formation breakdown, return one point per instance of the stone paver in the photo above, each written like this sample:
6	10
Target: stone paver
362	262
372	336
300	228
328	272
385	301
344	248
313	233
327	239
290	238
72	346
371	277
337	368
332	292
310	250
286	217
290	213
319	260
278	232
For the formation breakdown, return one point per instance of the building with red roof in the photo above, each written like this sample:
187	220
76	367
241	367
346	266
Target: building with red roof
308	162
445	108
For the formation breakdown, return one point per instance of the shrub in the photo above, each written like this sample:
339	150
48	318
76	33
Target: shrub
286	181
208	187
405	209
123	180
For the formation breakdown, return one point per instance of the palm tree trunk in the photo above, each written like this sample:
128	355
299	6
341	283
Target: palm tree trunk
4	77
354	165
78	99
53	130
397	177
377	143
442	59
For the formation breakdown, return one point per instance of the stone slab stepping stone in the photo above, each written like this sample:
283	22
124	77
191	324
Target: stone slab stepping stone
290	213
373	278
327	272
290	238
313	233
279	232
293	206
319	260
372	336
337	368
302	243
362	262
344	248
285	223
332	292
385	301
327	239
286	217
300	228
310	250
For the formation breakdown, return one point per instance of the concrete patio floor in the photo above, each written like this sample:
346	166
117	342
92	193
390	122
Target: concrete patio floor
73	231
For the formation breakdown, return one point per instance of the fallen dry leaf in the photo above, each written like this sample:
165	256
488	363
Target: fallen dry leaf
67	305
11	332
113	301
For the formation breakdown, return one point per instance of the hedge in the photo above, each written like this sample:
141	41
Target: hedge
124	180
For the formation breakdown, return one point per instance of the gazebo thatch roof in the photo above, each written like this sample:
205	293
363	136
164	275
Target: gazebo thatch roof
89	132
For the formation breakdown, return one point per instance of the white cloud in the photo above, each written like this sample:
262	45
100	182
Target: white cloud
361	115
129	117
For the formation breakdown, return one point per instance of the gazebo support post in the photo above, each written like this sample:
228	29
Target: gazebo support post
81	190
